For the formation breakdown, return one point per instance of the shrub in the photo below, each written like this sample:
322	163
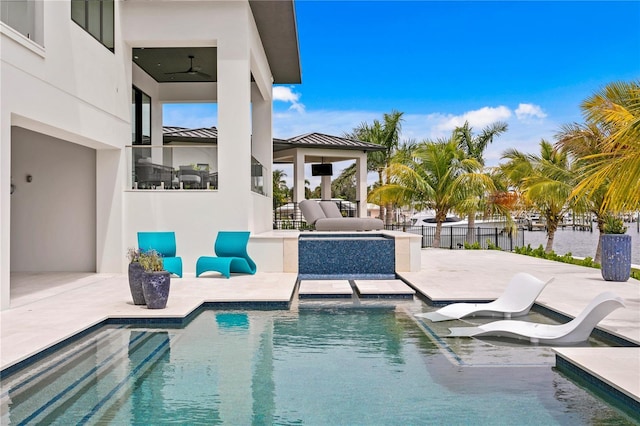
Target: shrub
151	261
614	225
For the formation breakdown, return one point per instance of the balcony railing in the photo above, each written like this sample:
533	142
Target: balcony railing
190	167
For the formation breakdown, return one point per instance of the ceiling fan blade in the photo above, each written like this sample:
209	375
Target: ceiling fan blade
191	71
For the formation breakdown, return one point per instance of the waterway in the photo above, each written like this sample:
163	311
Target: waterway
580	243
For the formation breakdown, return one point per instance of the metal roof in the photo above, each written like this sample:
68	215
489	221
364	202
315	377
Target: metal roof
308	140
321	140
182	134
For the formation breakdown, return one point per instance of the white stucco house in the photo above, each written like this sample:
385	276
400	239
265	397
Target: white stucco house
82	85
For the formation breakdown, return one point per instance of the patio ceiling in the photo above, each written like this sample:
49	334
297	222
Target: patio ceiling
276	23
173	64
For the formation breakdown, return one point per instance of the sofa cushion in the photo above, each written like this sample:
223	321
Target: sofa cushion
330	209
349	224
311	211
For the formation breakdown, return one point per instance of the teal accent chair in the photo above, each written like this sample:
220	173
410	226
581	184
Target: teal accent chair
165	244
231	255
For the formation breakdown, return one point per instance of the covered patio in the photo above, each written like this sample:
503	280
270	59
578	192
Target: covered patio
319	148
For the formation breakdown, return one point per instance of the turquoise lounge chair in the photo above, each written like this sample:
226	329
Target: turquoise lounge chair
231	255
165	244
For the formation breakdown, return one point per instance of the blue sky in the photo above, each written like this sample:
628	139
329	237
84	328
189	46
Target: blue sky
441	63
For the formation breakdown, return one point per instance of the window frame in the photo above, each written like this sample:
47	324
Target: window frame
103	6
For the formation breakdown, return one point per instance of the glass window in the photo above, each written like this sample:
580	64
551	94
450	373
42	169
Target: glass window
20	15
78	11
133	116
146	119
107	24
97	18
141	118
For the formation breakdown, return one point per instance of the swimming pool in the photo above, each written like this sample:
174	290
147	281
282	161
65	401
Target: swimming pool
323	363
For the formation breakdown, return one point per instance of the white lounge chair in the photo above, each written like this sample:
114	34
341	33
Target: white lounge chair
575	331
517	300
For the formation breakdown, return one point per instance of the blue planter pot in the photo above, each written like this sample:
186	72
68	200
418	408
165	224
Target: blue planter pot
616	257
135	283
155	286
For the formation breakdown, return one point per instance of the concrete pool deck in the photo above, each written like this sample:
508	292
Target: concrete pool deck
48	308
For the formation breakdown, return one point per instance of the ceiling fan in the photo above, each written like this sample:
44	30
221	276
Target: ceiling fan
192	70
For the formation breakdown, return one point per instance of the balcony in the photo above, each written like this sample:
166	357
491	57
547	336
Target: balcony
183	167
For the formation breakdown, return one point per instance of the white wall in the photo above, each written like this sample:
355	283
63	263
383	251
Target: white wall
78	91
53	220
196	216
73	89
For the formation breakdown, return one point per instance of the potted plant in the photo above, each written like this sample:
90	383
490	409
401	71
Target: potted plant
155	280
616	250
135	276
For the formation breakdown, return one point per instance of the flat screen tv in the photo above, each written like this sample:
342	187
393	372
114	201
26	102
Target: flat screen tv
322	169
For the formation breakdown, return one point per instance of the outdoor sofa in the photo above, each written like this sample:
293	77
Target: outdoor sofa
326	216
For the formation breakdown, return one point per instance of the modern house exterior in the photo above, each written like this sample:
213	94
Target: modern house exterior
82	85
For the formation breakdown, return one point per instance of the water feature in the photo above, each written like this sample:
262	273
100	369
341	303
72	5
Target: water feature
324	363
346	256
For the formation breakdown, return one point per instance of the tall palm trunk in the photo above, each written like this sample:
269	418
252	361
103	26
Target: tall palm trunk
598	256
388	216
441	215
471	228
552	227
436	236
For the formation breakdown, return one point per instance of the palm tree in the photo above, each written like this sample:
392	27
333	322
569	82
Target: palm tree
583	141
615	108
344	186
546	181
437	176
474	147
280	189
387	134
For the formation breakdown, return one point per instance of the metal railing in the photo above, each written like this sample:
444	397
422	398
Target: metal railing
172	167
289	216
454	237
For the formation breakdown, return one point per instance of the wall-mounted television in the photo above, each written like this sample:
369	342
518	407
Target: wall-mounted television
322	169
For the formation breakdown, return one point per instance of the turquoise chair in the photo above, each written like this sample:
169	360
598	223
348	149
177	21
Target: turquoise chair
165	244
231	255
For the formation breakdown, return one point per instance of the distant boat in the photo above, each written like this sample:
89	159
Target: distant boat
428	218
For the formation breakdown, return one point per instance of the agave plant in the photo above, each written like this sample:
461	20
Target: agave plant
614	225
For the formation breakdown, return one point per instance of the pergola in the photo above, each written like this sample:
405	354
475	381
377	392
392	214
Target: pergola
321	148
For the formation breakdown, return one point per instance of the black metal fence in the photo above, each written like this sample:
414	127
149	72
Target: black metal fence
455	237
451	237
289	216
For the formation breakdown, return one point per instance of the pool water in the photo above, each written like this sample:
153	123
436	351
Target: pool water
321	364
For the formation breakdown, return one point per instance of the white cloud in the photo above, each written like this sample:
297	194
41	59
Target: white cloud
477	118
527	111
522	134
286	94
